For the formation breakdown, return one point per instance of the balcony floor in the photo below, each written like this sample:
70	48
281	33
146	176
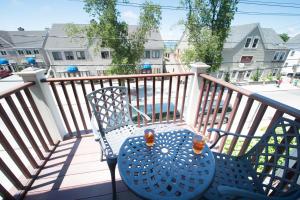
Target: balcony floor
75	172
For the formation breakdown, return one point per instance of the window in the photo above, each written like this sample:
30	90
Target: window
57	55
255	43
156	54
69	55
20	52
246	59
147	54
274	72
28	52
248	42
13	53
80	55
282	56
36	51
248	74
292	53
105	54
286	64
3	53
233	74
276	56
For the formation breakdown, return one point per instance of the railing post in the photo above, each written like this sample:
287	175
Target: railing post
44	101
194	91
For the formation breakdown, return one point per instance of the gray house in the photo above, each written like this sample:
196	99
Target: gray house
250	47
17	46
63	51
292	63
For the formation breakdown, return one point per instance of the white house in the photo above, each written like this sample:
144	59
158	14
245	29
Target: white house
63	51
247	48
292	63
17	46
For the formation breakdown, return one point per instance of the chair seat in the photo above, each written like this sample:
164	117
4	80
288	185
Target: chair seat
231	171
115	138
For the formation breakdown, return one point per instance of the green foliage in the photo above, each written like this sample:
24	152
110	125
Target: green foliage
256	75
212	17
106	30
284	36
270	77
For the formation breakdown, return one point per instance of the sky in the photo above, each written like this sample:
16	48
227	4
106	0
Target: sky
39	14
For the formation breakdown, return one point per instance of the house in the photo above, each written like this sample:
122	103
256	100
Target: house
22	48
247	48
292	63
63	51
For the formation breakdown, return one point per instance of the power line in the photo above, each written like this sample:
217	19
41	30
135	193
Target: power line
268	4
271	2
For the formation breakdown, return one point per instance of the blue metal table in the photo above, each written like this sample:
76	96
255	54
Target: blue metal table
169	169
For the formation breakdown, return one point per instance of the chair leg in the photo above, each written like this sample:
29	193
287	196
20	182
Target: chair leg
112	167
101	157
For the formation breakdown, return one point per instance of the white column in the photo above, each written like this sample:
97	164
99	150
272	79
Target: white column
45	102
193	92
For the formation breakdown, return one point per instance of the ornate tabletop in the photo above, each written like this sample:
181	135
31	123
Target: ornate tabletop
169	169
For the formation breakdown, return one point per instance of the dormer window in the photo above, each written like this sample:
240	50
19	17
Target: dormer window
255	42
282	56
248	42
276	56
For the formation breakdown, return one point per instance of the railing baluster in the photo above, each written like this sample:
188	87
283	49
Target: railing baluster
78	105
153	100
231	118
5	194
217	106
241	124
101	83
70	108
176	98
38	116
212	98
137	100
169	98
61	108
145	99
10	175
161	99
24	127
110	82
119	82
204	106
224	109
10	126
259	115
32	121
85	98
92	85
129	97
183	97
11	152
199	102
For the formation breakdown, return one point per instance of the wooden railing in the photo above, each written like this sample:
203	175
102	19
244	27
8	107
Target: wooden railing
25	140
236	110
166	90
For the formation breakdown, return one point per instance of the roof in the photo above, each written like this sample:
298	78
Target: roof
24	39
65	42
271	39
294	42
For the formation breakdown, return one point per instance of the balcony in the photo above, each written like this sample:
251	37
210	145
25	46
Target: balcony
48	150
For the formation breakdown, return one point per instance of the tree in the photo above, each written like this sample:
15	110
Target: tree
284	36
256	75
212	17
107	30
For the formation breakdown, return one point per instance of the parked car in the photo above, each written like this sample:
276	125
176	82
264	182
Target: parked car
157	111
4	73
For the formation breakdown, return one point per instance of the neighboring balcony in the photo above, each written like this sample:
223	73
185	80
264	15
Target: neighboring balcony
47	146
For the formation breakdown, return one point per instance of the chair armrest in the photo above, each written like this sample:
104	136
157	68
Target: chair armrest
236	192
144	115
222	133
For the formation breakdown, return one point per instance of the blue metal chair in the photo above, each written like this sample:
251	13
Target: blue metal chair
270	170
111	112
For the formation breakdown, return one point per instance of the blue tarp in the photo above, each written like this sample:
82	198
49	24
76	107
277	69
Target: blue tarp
72	69
3	61
147	66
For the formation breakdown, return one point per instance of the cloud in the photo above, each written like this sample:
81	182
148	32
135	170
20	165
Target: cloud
130	17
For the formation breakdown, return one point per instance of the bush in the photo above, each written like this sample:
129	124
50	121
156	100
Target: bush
256	75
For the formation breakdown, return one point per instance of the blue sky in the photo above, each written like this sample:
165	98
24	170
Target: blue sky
38	14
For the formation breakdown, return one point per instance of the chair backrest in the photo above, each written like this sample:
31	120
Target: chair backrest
276	158
111	108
